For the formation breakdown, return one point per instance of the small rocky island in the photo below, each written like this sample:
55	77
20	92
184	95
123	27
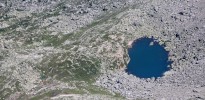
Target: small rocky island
82	49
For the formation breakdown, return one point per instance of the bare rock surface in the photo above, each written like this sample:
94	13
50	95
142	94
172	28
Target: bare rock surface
77	49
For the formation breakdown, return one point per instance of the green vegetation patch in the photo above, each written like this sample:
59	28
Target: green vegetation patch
46	95
70	67
90	89
4	92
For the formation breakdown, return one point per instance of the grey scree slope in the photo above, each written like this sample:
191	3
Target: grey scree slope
37	35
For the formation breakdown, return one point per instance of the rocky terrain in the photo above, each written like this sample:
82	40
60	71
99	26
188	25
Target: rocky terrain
77	49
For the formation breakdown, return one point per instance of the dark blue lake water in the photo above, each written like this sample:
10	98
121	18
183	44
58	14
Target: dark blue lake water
147	60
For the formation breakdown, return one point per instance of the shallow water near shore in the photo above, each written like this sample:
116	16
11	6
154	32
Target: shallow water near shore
147	59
